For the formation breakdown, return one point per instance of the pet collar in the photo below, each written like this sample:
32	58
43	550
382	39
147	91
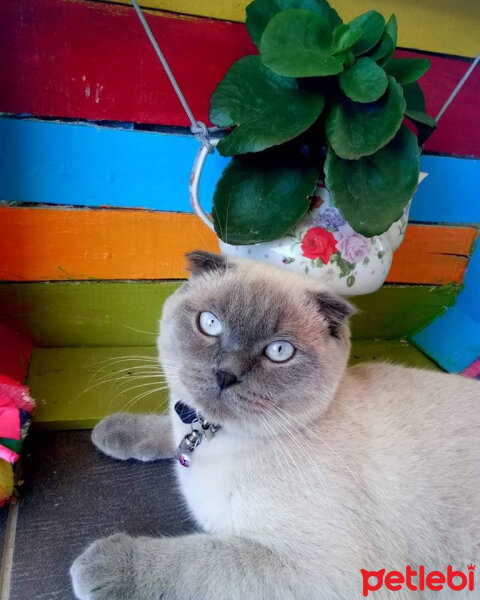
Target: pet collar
201	428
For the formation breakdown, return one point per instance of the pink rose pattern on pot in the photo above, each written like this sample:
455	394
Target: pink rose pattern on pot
352	246
329	240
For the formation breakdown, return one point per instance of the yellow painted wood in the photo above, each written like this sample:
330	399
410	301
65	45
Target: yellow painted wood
76	387
447	26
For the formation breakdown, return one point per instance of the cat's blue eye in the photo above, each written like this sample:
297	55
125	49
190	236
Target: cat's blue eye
209	324
279	351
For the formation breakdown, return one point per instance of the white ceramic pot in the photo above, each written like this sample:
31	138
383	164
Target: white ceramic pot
322	245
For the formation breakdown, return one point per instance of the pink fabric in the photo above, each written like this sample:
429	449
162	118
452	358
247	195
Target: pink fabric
9	418
17	392
7	454
473	370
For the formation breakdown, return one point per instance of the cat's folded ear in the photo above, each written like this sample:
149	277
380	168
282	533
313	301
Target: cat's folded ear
200	262
334	309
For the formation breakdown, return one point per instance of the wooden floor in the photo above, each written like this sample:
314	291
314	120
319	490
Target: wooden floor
72	493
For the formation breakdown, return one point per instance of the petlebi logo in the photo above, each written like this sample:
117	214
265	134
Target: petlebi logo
418	580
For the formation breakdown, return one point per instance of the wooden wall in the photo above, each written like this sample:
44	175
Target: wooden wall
95	158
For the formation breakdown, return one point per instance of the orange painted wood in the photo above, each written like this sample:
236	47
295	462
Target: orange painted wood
41	244
52	244
433	254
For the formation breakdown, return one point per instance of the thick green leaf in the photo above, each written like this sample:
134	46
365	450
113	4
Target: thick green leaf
372	192
267	108
355	129
385	48
297	43
372	25
407	70
260	198
421	117
364	81
344	37
416	106
260	12
414	97
425	124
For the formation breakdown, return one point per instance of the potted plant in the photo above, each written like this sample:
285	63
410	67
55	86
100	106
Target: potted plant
325	160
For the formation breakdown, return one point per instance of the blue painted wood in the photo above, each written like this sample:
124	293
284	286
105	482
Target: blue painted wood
453	340
450	193
86	165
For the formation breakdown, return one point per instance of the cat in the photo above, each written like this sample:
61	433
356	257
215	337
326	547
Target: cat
317	474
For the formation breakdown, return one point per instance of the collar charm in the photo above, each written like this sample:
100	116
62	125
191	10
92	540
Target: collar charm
201	428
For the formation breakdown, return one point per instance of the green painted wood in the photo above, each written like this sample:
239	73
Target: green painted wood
76	387
126	313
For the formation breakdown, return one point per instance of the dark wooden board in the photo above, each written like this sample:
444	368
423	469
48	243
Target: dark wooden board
74	495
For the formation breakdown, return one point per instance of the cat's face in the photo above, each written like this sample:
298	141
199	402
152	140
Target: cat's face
251	346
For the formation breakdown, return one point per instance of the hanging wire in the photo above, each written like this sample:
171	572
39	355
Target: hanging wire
457	88
198	129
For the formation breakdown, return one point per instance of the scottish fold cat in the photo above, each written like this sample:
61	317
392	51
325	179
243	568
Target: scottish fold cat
315	481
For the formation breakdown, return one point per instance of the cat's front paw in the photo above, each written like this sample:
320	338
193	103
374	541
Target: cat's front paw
105	571
141	437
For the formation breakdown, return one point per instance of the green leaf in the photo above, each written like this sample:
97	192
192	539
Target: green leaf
372	192
385	48
421	117
267	108
355	129
372	25
425	124
364	81
296	43
260	12
261	197
414	97
416	111
344	37
407	70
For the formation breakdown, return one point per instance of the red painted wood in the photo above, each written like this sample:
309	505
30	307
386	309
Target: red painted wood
15	353
91	60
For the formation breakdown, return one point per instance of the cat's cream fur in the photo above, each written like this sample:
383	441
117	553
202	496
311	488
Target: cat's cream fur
374	467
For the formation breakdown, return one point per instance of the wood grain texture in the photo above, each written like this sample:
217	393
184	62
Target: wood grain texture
15	353
73	244
50	244
86	165
93	61
433	254
76	387
127	313
423	24
73	495
453	340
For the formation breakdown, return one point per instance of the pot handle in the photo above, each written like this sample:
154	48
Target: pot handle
197	168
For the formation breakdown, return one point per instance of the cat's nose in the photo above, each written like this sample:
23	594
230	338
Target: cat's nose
225	379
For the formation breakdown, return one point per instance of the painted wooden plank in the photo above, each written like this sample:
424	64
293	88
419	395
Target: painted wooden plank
15	353
92	61
433	254
76	387
85	165
78	244
424	25
450	193
453	340
127	313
